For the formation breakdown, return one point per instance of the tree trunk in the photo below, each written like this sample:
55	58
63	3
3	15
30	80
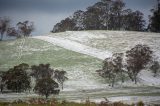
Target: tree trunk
1	37
46	96
1	88
113	82
62	86
135	79
122	78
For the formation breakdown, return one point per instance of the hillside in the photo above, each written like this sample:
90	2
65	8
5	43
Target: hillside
80	53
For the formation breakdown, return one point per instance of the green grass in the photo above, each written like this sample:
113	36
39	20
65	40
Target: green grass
36	51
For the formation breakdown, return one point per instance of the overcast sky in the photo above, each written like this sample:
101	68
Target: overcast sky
46	13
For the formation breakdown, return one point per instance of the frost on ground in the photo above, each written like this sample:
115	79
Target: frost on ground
83	80
75	46
101	44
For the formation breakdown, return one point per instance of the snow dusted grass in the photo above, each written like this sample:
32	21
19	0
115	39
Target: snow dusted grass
80	54
35	51
113	41
80	68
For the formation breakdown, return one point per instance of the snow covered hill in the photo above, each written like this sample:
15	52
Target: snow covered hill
105	41
80	53
101	44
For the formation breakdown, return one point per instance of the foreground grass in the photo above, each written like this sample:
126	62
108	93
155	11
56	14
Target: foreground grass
64	103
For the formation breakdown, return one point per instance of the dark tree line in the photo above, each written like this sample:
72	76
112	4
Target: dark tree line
136	59
22	29
154	20
103	15
18	79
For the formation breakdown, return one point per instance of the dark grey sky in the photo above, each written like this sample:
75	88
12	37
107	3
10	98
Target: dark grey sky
46	13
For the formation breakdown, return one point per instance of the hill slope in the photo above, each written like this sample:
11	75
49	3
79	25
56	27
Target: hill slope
101	44
80	53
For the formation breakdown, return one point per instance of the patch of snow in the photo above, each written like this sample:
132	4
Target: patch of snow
148	79
82	36
75	46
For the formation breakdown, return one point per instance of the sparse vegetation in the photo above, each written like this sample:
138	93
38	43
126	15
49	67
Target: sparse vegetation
54	102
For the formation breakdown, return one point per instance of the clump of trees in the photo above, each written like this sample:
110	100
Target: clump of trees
22	29
18	79
154	22
135	60
103	15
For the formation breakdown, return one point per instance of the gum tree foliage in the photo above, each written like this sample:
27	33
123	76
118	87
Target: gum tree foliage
22	29
46	87
16	79
155	67
137	58
112	68
103	15
78	19
154	21
41	71
60	76
4	24
65	25
44	71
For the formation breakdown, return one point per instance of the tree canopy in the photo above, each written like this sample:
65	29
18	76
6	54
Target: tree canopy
103	15
17	79
46	87
154	20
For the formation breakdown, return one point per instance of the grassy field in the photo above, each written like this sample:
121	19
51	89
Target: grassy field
34	51
83	80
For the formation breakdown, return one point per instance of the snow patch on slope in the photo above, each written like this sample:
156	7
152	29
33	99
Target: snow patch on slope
147	78
75	46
